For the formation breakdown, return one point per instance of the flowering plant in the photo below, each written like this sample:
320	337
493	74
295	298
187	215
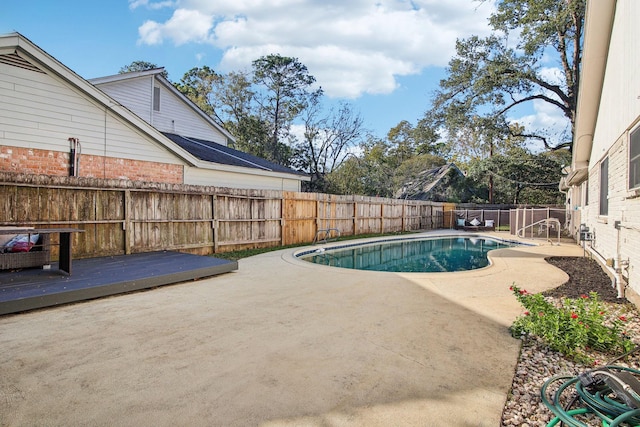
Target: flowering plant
575	327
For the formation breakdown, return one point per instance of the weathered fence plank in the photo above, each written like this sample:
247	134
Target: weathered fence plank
122	217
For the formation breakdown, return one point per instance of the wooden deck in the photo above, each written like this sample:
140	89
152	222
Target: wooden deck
28	289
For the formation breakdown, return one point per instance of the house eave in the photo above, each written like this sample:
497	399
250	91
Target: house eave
598	27
17	43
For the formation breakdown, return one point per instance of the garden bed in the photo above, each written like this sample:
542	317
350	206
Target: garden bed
537	363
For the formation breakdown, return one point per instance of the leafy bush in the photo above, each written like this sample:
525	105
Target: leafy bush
577	326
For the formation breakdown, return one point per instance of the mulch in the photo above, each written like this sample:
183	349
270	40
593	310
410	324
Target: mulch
585	276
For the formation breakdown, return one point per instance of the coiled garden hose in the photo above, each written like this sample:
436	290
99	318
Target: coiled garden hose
610	393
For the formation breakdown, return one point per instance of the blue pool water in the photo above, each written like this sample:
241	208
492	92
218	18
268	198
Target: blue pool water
446	254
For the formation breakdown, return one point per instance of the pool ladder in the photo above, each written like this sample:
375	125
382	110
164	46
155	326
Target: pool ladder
326	232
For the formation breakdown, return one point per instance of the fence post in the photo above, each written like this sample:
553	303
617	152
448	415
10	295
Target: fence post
402	223
282	219
355	217
318	220
532	221
214	222
128	227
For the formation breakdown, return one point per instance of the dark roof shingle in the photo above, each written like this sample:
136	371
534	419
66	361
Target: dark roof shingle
210	151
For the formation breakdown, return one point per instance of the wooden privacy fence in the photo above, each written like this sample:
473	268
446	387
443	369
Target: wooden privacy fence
306	213
121	217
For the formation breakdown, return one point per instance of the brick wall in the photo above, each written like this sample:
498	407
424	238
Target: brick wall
56	163
623	207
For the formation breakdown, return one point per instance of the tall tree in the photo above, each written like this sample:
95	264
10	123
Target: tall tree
197	84
230	100
328	140
520	176
490	77
367	174
287	91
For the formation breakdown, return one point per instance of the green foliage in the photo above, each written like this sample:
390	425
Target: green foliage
198	85
287	91
490	77
572	329
520	177
368	174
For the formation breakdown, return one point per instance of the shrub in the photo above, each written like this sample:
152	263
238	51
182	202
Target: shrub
577	326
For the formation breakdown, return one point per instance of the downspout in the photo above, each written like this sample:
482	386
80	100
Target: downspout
617	262
74	156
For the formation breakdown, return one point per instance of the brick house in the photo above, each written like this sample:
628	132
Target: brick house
603	183
135	127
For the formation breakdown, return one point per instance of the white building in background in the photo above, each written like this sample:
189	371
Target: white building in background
133	126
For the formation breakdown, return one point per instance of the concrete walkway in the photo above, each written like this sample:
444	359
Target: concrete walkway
280	342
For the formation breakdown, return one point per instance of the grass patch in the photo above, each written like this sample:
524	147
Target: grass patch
245	253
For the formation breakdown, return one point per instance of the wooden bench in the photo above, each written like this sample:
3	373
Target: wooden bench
40	254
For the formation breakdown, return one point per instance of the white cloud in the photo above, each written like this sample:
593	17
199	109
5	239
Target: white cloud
351	47
183	27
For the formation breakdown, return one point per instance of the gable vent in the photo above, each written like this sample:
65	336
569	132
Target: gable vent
17	61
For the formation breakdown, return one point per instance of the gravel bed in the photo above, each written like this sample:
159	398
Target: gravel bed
537	363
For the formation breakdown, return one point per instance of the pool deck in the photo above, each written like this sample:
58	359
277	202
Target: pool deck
279	342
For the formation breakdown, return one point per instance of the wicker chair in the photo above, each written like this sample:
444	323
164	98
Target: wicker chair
38	256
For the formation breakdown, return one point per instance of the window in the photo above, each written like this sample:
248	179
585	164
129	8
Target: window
156	98
604	187
634	159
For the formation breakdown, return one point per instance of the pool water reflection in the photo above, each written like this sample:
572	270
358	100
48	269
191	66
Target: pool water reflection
445	254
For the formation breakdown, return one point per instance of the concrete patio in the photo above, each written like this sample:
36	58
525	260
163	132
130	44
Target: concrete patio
280	342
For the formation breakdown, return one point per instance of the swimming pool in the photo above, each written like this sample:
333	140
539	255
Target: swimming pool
424	255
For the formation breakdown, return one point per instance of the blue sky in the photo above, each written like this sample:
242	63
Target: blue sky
383	56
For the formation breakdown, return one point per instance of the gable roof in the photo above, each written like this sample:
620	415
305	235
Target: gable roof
424	185
157	74
205	150
23	52
17	50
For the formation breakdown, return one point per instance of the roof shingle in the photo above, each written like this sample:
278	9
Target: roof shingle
210	151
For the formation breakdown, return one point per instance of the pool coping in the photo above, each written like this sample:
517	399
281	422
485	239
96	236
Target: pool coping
298	253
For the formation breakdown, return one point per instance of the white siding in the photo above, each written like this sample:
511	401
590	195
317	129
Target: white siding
624	241
177	117
618	113
620	103
135	94
42	112
174	115
196	176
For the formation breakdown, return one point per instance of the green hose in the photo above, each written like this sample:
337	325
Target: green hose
600	403
570	413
